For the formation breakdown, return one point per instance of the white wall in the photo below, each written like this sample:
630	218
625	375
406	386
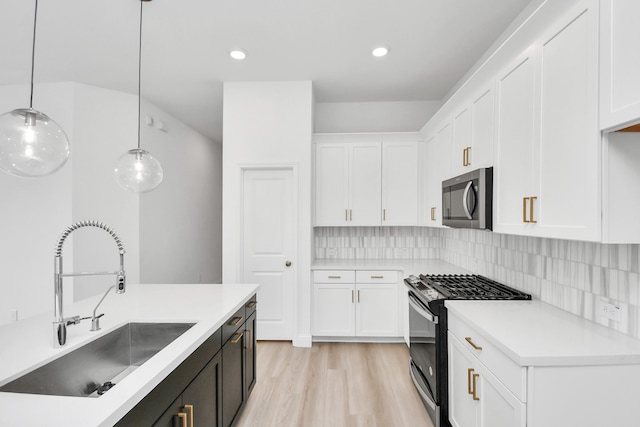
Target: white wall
33	212
402	116
181	221
269	123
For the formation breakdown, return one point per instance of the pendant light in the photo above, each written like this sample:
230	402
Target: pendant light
137	170
31	144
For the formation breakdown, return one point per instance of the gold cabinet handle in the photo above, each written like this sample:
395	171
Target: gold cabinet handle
358	295
524	209
346	214
190	409
475	377
252	304
237	338
464	157
350	215
531	220
477	347
468	161
183	419
250	336
237	321
384	214
352	297
377	277
334	277
469	389
433	214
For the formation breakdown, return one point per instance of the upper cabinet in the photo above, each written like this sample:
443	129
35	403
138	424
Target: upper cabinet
548	142
620	63
431	214
361	180
473	134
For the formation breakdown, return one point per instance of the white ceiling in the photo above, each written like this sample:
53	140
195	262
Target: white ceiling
186	42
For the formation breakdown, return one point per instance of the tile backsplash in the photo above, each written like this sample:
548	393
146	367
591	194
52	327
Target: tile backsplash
575	276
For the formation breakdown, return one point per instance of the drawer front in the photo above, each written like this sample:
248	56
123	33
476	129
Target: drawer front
250	306
233	324
376	276
512	375
334	276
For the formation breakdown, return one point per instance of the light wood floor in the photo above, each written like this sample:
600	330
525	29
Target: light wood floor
333	384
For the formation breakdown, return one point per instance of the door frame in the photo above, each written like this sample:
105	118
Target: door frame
293	167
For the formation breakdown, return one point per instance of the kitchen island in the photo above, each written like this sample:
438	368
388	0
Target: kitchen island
27	344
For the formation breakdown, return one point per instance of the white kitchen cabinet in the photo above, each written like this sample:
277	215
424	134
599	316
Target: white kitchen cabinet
431	212
477	398
444	142
348	181
400	183
547	132
365	307
461	143
619	64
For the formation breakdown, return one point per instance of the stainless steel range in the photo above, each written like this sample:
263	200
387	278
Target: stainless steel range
428	330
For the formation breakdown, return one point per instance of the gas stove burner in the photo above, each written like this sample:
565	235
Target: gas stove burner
469	286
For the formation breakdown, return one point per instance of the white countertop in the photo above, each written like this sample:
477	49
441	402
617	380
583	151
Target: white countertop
407	266
27	344
533	333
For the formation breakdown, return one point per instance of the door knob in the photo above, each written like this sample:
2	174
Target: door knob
288	263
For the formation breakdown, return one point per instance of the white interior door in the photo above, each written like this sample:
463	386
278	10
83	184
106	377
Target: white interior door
268	247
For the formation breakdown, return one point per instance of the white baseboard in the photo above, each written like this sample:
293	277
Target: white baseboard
302	341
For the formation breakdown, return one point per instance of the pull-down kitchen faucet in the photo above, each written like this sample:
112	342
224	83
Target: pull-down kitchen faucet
60	323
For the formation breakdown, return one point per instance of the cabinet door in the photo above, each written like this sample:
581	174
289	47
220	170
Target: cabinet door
250	355
444	143
232	377
482	130
461	142
432	185
569	135
365	181
170	417
377	310
516	138
204	395
620	64
334	309
463	409
332	184
399	183
498	407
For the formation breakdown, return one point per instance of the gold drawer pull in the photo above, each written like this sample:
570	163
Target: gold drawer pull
531	220
237	321
358	295
252	304
469	372
238	338
524	209
250	336
475	377
433	214
335	277
352	297
384	214
190	409
183	419
477	347
377	277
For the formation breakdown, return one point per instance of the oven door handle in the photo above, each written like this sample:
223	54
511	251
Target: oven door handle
421	311
428	400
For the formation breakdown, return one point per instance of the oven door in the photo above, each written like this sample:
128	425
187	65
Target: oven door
422	338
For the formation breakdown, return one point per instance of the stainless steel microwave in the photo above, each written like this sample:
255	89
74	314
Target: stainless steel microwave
467	200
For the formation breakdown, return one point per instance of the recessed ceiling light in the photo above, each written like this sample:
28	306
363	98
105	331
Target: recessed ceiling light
238	54
380	51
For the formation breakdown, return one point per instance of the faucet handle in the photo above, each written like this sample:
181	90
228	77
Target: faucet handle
72	320
95	322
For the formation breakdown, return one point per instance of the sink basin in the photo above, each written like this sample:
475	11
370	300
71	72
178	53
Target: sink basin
95	367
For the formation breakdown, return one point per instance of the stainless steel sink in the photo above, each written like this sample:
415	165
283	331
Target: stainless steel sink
95	367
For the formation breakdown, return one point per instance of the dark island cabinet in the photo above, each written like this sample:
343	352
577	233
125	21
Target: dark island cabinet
211	386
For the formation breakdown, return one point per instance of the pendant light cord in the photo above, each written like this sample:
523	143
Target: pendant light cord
33	53
139	70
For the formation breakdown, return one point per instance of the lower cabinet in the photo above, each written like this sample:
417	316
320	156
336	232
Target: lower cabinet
361	303
476	396
211	386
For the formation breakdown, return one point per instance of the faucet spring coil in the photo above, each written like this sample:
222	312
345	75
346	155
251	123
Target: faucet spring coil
89	223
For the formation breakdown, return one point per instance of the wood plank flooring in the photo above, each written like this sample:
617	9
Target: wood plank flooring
333	384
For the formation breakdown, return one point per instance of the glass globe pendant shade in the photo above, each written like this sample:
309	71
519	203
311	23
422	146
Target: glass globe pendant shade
138	171
31	144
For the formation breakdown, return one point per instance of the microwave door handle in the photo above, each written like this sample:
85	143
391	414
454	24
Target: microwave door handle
421	311
465	197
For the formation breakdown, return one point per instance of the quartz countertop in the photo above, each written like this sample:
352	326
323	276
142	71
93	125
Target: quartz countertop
533	333
407	266
27	344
